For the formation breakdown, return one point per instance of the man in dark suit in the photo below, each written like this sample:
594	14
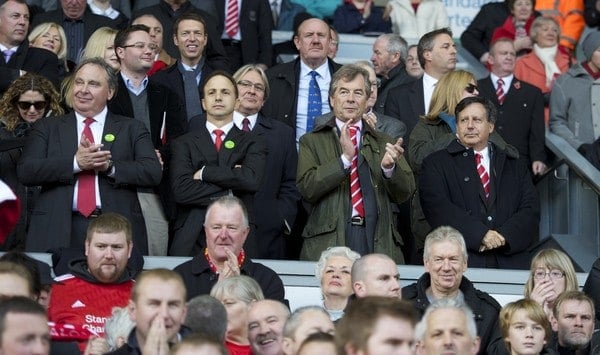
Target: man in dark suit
275	203
167	11
78	22
161	112
483	191
14	26
437	55
215	160
289	82
248	41
520	105
186	77
87	162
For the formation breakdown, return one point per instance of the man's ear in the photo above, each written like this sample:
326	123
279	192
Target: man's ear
131	310
553	322
359	288
287	346
476	345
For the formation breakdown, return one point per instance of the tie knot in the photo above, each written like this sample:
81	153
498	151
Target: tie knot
478	157
218	132
353	129
88	121
314	74
8	51
500	82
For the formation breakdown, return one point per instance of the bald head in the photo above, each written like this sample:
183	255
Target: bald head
376	275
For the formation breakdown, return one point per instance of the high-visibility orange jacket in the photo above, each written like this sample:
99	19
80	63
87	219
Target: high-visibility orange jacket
569	15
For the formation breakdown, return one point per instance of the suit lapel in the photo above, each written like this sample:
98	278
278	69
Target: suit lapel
230	144
418	99
112	126
68	133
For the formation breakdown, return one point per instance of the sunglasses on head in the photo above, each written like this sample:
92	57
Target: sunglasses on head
26	105
471	88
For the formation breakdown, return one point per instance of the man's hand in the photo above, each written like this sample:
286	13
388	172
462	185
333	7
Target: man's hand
371	119
538	167
367	9
492	240
393	153
89	156
96	346
156	341
346	142
230	267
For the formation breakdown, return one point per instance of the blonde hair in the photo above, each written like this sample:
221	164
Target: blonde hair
552	259
534	312
448	93
42	28
241	287
98	42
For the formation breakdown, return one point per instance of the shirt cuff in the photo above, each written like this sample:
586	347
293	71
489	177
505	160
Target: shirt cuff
387	173
346	162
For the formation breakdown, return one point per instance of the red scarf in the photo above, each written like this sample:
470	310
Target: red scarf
213	267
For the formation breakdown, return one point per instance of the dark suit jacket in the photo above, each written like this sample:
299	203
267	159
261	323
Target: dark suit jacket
452	195
256	24
397	77
172	79
214	51
35	60
406	103
478	36
220	177
521	118
283	80
276	201
47	160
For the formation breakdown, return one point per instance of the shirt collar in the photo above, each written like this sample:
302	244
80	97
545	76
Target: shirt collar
225	128
322	70
428	80
339	123
100	117
507	80
132	88
238	117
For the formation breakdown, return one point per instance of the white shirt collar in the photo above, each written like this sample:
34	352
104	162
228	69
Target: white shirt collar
238	118
507	81
429	81
225	128
100	117
322	70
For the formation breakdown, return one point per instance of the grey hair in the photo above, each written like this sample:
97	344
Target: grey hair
242	287
446	303
229	202
539	22
118	325
294	321
445	233
207	315
334	251
396	44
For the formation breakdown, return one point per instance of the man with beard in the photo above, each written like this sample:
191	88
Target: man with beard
573	324
266	320
85	297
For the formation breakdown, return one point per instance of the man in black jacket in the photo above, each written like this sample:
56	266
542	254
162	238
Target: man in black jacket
445	259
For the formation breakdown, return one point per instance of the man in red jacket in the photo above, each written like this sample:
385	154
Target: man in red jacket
85	297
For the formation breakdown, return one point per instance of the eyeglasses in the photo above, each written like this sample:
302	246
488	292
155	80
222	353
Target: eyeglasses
540	274
248	84
471	88
141	45
37	105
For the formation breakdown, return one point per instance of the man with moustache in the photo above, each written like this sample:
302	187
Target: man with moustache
213	161
266	319
573	325
351	174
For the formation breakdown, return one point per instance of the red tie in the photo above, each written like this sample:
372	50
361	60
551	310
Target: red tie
355	192
246	124
231	21
86	190
500	91
483	175
218	140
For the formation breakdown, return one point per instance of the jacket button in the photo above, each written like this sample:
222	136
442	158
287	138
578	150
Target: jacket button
489	218
467	179
465	154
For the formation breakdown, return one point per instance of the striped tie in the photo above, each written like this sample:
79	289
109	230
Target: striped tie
355	192
500	91
218	138
483	175
231	21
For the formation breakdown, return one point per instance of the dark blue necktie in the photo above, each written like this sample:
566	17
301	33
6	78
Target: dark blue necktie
314	101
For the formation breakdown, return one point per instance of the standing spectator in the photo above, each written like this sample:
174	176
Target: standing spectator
572	99
569	16
17	55
520	106
246	35
276	201
284	12
591	13
102	44
162	60
360	16
226	228
105	8
413	19
413	67
88	162
322	9
78	22
477	37
27	100
546	62
389	61
517	25
360	216
497	213
52	37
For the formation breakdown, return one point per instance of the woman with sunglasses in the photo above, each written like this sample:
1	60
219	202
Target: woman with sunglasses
28	99
552	273
434	131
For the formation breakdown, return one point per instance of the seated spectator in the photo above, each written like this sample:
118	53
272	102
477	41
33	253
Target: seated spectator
102	44
207	316
117	328
573	100
24	327
10	211
573	323
412	19
456	190
303	322
592	286
525	327
157	306
52	37
106	9
377	325
376	275
28	99
447	325
39	271
333	272
236	293
551	274
199	344
445	258
284	12
266	320
477	37
97	283
162	60
323	9
413	67
15	280
591	13
226	227
547	61
517	26
318	343
334	44
360	16
569	16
